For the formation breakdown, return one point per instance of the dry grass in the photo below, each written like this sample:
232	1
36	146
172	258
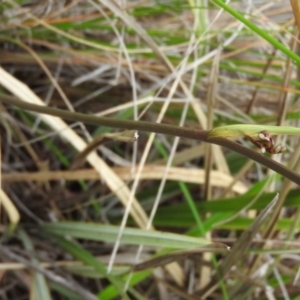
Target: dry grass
185	63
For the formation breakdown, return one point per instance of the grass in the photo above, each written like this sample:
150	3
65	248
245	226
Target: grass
90	213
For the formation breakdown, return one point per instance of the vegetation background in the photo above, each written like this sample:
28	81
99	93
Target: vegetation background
91	212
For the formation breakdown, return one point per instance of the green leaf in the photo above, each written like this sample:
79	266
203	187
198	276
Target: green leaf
133	236
40	287
240	130
78	252
180	214
110	292
261	32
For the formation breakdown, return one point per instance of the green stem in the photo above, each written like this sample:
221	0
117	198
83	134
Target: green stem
191	133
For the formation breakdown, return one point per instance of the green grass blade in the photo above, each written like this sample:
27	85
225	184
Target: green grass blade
132	236
78	252
240	130
262	33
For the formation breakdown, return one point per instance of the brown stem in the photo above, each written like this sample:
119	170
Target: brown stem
191	133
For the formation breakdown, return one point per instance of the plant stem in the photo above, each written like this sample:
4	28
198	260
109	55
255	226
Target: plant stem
191	133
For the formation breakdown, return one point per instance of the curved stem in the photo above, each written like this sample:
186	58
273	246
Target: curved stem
191	133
